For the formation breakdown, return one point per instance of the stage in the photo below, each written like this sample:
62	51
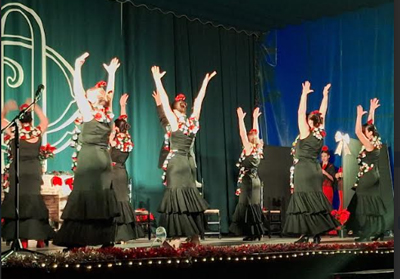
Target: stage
227	257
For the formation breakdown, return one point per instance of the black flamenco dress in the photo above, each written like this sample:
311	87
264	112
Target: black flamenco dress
248	217
91	209
34	215
182	207
127	229
309	211
366	208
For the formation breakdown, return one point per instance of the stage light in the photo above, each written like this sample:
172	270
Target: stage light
89	267
77	265
130	263
55	265
99	265
109	265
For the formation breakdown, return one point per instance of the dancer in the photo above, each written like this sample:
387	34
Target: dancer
328	170
180	105
309	211
121	146
33	213
182	207
89	216
339	186
248	216
366	207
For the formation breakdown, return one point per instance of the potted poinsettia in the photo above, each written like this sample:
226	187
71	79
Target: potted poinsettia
342	215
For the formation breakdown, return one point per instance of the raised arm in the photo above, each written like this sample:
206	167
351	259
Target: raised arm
8	106
160	111
256	114
374	104
80	98
301	113
157	75
368	145
202	93
324	103
111	70
242	131
122	102
44	121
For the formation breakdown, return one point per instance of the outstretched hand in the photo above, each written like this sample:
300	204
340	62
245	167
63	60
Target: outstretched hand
81	59
156	72
208	77
113	66
124	99
374	104
360	111
307	88
10	105
326	89
240	113
157	97
256	112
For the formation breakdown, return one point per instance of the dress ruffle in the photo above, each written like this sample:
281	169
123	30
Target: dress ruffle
369	214
247	220
308	214
182	200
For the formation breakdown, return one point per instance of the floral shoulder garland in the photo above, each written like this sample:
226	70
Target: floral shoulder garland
74	143
257	152
364	167
189	125
124	142
103	114
318	133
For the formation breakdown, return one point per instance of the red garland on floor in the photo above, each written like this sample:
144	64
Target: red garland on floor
187	251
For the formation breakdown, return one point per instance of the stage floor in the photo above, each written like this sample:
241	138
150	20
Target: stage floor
224	241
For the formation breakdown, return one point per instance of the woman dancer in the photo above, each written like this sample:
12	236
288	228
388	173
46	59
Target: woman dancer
182	208
328	170
366	207
33	213
248	216
121	146
89	216
309	211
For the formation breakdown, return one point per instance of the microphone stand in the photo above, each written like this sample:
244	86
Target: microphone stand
16	246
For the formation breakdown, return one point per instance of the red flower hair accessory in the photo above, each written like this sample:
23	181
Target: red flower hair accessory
180	97
325	148
370	122
253	131
123	117
24	106
340	170
101	84
316	112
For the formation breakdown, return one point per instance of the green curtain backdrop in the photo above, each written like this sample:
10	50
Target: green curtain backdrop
140	38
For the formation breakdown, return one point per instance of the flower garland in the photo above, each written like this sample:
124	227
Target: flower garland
257	153
364	167
5	176
102	114
124	142
188	126
318	133
189	253
74	142
27	131
46	152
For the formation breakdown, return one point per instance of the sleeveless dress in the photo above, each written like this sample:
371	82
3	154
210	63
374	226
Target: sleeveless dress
89	215
309	211
248	216
366	208
182	207
34	215
126	222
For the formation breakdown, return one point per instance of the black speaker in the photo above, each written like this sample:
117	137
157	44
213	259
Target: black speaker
274	172
350	170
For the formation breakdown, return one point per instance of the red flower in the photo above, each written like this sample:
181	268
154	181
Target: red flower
166	147
27	128
325	148
323	133
100	84
24	106
123	117
56	181
23	137
340	169
315	112
7	137
180	97
69	182
98	116
370	122
113	164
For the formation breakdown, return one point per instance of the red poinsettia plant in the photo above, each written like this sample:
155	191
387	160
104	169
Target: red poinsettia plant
342	215
46	151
